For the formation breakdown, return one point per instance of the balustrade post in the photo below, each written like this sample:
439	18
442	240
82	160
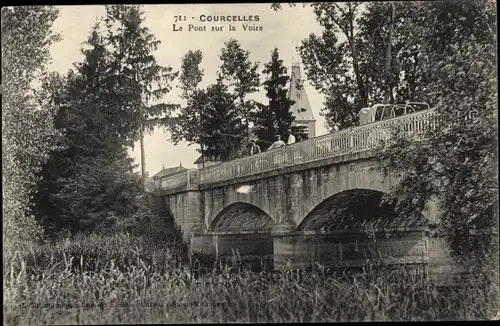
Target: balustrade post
289	152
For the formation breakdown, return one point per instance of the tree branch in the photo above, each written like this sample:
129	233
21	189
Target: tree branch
334	19
322	69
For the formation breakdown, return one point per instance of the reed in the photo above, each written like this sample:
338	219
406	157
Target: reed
126	279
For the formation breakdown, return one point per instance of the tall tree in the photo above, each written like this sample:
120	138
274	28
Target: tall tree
77	189
365	54
335	67
28	133
242	75
191	74
90	182
387	72
211	118
132	45
396	64
190	78
276	117
458	162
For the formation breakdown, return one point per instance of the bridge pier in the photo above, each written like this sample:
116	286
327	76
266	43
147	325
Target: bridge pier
187	210
204	243
252	247
285	248
354	248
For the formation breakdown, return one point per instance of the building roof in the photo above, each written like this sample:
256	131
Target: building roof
211	159
302	108
168	171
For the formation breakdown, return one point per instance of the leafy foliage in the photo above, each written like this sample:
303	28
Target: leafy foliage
28	134
137	72
187	124
191	74
90	184
139	75
242	75
212	119
457	164
216	118
276	117
334	66
347	62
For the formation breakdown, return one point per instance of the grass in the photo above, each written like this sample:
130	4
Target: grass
127	279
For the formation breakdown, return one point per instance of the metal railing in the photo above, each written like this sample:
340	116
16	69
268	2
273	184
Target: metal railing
331	145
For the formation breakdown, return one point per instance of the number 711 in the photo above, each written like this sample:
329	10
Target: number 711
179	18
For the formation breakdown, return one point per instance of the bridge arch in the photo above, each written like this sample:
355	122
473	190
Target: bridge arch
356	209
217	208
245	230
354	225
241	216
370	179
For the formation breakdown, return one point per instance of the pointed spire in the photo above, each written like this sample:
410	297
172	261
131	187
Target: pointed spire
180	163
301	108
296	55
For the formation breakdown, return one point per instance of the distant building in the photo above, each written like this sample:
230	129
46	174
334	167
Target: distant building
208	161
302	108
165	172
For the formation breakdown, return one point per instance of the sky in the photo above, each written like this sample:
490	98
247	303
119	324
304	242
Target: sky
284	29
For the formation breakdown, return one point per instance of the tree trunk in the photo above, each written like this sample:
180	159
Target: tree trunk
247	124
143	159
355	61
202	155
348	30
388	91
359	78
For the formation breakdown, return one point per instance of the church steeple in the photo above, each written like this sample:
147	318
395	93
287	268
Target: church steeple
301	109
296	56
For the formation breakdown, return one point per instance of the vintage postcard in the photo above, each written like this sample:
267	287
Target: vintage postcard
270	162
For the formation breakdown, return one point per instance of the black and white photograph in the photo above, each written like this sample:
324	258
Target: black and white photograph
250	162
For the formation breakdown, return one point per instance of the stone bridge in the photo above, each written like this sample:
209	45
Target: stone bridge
318	200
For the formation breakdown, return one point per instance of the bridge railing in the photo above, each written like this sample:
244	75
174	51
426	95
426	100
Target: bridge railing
347	141
184	180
